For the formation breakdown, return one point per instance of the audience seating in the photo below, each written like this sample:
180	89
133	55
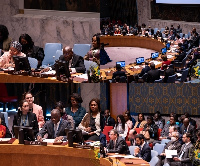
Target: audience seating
106	130
138	130
6	117
4	98
58	54
81	49
158	81
166	164
181	65
144	77
181	35
159	148
123	79
154	153
171	79
159	133
128	143
155	30
165	141
154	161
50	52
33	62
162	30
131	149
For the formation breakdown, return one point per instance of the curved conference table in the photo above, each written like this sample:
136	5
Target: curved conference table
51	155
132	41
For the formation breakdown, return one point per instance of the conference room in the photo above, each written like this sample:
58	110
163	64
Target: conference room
31	138
147	31
41	32
134	109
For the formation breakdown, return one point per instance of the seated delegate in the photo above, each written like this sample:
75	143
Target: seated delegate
6	60
76	62
55	127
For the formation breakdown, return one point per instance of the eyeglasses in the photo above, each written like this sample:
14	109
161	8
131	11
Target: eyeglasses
29	97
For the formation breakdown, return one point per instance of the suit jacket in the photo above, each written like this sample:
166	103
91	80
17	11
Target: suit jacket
37	110
145	153
77	63
120	146
153	130
118	73
48	128
175	146
32	121
165	62
168	72
144	70
191	129
180	57
8	134
153	75
165	130
110	121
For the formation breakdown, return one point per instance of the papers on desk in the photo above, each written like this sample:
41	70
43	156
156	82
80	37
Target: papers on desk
52	72
170	153
169	56
179	74
9	68
49	140
96	143
136	67
129	157
83	76
73	70
155	62
5	139
117	155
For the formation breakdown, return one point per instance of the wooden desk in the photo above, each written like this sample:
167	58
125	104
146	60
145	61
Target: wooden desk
132	41
136	162
34	155
8	78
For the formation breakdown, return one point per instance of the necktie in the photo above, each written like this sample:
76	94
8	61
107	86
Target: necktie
183	151
55	130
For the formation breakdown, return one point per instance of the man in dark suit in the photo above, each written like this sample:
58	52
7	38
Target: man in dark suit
2	119
183	158
172	145
169	71
153	74
117	144
192	121
118	72
75	61
145	69
143	151
109	121
181	55
188	128
55	128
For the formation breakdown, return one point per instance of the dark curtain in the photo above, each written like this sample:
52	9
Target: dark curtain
45	95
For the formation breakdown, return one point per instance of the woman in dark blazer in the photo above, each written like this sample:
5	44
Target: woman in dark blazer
26	118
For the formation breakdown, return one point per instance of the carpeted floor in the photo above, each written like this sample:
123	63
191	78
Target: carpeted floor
127	54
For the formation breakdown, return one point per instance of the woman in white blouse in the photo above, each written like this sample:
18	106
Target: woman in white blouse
121	126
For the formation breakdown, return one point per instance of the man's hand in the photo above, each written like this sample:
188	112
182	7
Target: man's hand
176	159
136	150
39	138
162	154
58	139
45	70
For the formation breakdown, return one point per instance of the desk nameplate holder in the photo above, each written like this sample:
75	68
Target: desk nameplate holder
35	143
83	146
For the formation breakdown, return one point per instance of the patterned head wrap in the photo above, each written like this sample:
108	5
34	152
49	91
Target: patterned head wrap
16	45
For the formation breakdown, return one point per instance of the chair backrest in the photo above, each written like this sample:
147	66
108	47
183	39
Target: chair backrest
33	62
50	52
88	64
123	79
154	161
138	130
181	35
159	148
154	153
186	36
81	49
165	141
106	130
144	77
162	72
131	149
171	79
162	30
155	30
6	117
184	75
158	81
3	90
159	133
58	54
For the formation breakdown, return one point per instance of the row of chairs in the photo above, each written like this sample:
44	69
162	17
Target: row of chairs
53	51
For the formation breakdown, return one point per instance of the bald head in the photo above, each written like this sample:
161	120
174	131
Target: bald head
55	116
186	122
68	53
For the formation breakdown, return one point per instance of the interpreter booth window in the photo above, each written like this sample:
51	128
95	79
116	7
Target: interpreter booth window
64	5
